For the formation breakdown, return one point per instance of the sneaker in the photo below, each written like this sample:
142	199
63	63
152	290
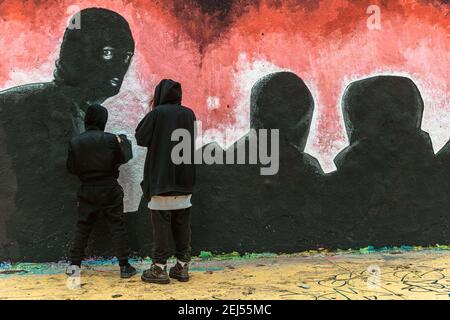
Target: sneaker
127	271
155	275
179	272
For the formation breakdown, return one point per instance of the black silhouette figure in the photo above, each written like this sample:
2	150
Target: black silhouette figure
444	156
387	190
38	120
257	212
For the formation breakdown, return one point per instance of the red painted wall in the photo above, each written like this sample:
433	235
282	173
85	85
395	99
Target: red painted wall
218	54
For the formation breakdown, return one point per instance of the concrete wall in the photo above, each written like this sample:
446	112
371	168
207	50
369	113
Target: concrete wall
219	50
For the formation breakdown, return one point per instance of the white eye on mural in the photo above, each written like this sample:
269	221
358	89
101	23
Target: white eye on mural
108	53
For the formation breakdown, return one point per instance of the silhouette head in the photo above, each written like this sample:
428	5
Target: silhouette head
382	106
96	117
96	52
282	101
167	92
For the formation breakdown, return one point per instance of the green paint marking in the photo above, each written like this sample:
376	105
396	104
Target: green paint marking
14	269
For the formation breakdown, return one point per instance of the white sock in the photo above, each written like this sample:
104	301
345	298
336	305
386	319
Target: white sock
182	263
162	266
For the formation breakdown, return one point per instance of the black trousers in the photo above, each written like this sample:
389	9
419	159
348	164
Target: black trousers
93	201
171	222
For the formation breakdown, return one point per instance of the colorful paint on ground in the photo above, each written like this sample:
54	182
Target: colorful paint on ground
367	274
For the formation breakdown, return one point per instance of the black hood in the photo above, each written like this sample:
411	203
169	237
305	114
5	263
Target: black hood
96	117
382	107
282	101
80	60
167	92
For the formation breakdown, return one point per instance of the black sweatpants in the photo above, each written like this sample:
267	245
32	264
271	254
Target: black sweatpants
171	222
95	200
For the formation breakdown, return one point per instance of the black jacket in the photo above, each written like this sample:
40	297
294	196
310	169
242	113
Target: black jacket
161	175
95	156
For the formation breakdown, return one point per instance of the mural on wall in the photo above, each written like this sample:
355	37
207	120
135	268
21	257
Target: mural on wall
39	119
389	187
218	50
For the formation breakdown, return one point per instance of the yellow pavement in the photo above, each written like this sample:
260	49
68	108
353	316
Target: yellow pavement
396	275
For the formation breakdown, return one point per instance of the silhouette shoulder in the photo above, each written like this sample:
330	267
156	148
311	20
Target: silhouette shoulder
444	154
18	94
312	164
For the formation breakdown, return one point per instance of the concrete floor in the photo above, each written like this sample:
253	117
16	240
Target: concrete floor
394	275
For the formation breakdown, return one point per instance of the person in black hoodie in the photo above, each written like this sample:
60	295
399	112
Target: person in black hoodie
95	157
168	186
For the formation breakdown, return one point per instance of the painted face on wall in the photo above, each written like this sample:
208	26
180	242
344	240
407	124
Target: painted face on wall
108	64
96	56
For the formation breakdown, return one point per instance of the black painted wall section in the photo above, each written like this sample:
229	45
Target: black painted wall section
390	189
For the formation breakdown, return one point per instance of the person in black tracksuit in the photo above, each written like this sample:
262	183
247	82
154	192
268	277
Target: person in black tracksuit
168	186
95	156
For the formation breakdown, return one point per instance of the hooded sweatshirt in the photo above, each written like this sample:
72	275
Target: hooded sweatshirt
95	156
161	175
